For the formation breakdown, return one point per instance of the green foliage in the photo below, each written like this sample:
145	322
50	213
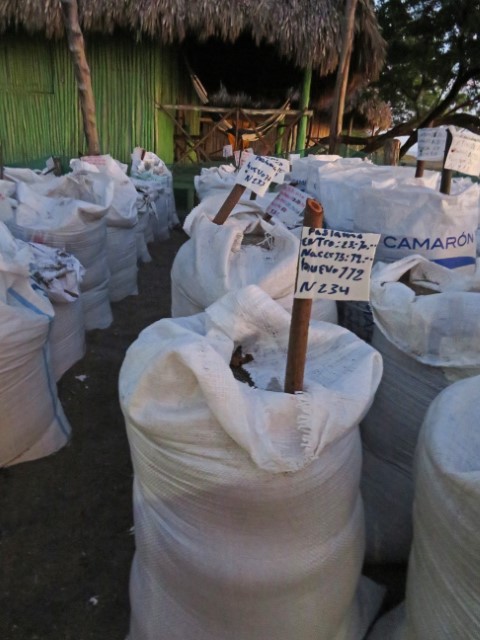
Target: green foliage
433	46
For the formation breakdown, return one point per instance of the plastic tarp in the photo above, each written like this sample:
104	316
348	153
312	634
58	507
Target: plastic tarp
248	517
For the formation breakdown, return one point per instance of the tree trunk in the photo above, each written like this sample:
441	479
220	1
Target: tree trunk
391	152
342	75
76	45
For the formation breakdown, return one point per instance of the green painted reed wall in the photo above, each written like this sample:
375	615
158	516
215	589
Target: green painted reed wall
39	111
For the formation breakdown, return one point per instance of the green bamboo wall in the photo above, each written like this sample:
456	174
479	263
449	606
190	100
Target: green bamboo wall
39	112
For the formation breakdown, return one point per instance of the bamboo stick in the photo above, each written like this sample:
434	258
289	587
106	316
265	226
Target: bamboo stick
301	312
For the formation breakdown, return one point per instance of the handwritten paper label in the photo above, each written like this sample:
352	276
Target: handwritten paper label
464	153
431	143
283	168
257	174
227	151
288	206
335	265
241	157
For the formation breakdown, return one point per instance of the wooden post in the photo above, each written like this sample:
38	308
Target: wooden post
391	152
231	200
446	182
304	100
279	140
420	169
341	82
301	311
76	45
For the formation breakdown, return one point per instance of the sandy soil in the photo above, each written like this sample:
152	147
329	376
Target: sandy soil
66	540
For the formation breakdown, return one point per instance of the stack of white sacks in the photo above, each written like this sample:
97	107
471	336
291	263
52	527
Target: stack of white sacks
59	275
32	422
410	213
443	590
69	213
156	203
121	220
245	250
248	517
271	480
429	338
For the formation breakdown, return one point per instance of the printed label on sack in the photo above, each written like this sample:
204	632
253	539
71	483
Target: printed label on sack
464	154
288	206
452	251
257	173
335	265
431	143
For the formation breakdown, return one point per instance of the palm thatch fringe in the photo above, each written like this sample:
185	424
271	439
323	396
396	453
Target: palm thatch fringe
304	31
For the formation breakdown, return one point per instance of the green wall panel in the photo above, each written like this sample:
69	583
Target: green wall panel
39	112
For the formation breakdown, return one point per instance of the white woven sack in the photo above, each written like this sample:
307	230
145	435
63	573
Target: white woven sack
426	341
337	187
214	179
316	165
122	211
418	220
248	518
67	336
214	262
301	169
78	227
7	192
59	275
443	591
122	262
159	200
32	422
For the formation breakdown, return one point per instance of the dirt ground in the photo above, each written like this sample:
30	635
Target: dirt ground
66	540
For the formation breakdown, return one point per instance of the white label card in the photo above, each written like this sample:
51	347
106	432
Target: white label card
227	151
257	174
283	168
288	206
464	154
431	143
335	265
242	156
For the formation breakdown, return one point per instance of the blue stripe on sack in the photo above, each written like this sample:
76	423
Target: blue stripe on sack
51	384
454	263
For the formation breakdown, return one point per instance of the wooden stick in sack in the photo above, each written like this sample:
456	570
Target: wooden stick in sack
227	207
301	312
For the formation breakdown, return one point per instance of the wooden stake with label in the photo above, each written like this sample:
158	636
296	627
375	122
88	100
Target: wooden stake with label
227	207
301	312
446	182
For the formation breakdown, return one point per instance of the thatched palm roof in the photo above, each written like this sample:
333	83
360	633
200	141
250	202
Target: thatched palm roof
304	31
